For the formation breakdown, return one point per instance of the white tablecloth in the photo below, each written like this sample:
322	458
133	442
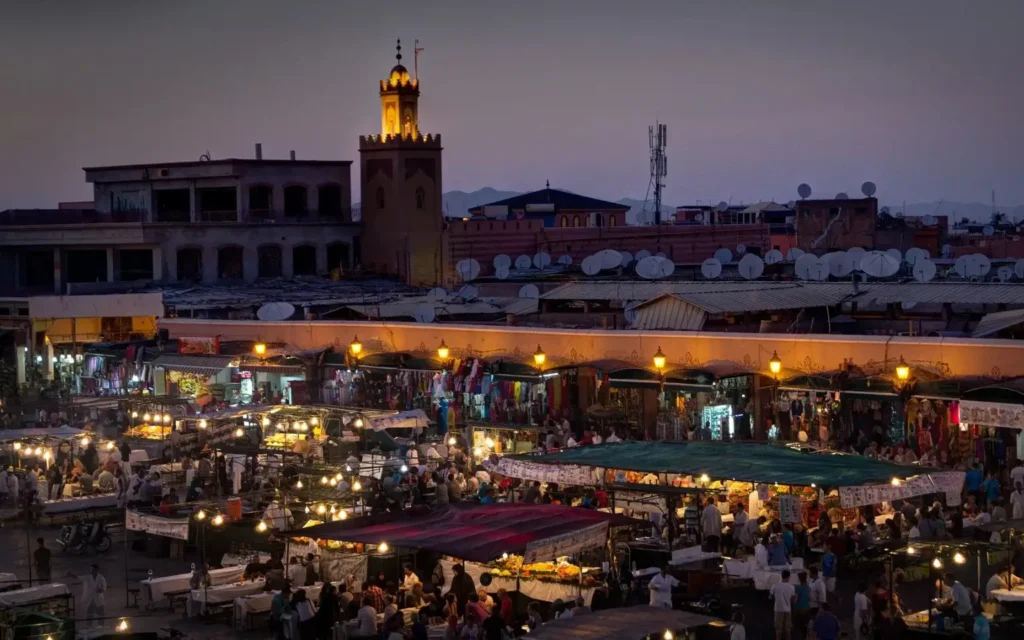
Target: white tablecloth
693	554
155	589
260	602
220	594
234	560
33	594
68	505
1007	595
763	578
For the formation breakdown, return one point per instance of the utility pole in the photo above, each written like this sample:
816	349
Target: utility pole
658	139
416	48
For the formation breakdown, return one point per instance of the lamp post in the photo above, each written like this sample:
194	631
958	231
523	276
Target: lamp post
539	358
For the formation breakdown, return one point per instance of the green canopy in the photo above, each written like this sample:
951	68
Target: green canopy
747	462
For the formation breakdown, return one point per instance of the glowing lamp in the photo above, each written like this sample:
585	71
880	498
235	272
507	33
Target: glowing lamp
110	446
343	515
39	451
338	476
355	346
442	351
259	348
135	414
489	442
123	625
902	370
775	365
200	515
382	547
298	485
477	451
959	558
239	433
146	417
659	360
84	442
451	441
265	422
324	480
896	482
404	469
261	527
937	563
704	478
17	446
217	520
334	482
167	418
46	455
539	357
358	423
321	509
668	635
314	421
202	424
911	551
357	486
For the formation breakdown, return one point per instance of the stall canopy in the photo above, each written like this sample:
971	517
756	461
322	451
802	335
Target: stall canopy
732	461
62	433
621	624
475	532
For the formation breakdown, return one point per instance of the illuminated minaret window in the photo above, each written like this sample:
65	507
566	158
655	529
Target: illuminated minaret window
399	98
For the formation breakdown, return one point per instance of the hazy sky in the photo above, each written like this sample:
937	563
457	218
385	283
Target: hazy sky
924	97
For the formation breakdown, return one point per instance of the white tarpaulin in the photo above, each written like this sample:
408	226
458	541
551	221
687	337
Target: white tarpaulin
943	482
415	419
563	474
566	544
992	414
167	527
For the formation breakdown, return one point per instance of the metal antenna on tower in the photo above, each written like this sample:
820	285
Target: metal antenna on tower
416	49
658	138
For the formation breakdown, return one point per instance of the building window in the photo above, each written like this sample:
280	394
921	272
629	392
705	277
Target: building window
269	258
261	198
337	256
421	198
598	220
380	197
304	260
329	200
229	263
611	221
295	203
563	222
575	221
190	264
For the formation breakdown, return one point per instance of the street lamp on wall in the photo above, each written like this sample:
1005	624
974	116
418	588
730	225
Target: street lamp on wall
775	365
539	357
902	370
659	361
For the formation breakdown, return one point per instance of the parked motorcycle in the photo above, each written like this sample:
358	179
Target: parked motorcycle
83	535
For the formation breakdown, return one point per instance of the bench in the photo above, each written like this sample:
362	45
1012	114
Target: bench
133	597
177	596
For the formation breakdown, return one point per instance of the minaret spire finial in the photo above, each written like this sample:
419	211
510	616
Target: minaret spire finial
398	56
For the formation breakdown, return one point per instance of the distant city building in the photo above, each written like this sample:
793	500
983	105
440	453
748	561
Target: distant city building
554	208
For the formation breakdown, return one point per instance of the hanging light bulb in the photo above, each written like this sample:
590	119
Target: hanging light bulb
39	451
239	432
324	480
314	421
704	478
358	423
266	421
259	348
452	441
200	515
282	426
489	442
442	351
321	509
959	558
668	635
403	469
167	418
477	451
298	485
382	547
338	475
343	515
217	520
937	563
17	446
111	446
84	442
896	482
46	455
146	417
123	625
135	414
261	527
334	482
902	370
202	424
331	510
911	551
357	486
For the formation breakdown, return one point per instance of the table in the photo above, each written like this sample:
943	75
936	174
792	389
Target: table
68	505
234	560
536	589
156	589
219	594
245	606
21	597
763	577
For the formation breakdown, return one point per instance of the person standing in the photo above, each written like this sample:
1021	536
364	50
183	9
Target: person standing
661	589
711	525
783	594
861	613
738	632
802	604
826	624
94	588
42	560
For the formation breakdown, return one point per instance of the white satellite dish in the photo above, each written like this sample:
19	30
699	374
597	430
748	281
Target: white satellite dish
1004	273
741	249
523	263
774	256
630	311
654	268
666	266
842	196
803	264
661	254
978	265
610	258
791	204
916	253
794	254
929	221
723	255
437	293
895	253
627	258
751	267
565	260
591	265
501	274
641	254
723	206
879	264
467	292
924	270
856	255
711	268
840	264
960	266
699	217
467	269
868	189
502	260
1018	268
804	190
541	260
988	230
818	270
947	250
424	312
529	291
275	311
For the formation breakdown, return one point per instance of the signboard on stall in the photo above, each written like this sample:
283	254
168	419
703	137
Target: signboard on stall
176	528
415	419
946	482
992	414
562	474
199	346
790	509
566	544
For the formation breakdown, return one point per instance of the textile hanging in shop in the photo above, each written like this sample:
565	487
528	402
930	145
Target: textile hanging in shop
943	482
562	474
992	414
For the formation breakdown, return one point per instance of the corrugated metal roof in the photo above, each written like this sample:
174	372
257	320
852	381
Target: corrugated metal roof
192	364
484	306
996	322
669	312
944	292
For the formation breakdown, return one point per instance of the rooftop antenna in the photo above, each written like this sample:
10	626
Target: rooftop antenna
658	138
416	49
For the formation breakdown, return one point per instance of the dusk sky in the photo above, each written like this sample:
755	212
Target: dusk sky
923	97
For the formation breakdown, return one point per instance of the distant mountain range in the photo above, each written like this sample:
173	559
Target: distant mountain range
458	203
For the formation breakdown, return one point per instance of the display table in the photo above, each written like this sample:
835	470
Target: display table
31	595
763	577
1008	595
246	606
157	588
530	587
235	560
199	599
69	505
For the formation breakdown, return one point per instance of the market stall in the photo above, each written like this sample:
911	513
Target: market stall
630	623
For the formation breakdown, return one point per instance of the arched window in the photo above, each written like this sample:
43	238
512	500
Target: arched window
564	221
190	264
269	258
304	260
380	197
598	219
295	203
421	198
229	263
611	221
337	256
329	199
575	221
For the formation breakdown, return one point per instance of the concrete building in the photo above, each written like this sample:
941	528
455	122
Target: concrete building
554	208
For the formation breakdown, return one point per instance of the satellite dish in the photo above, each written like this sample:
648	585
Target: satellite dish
723	206
988	230
804	190
924	270
802	266
438	293
978	265
1018	268
699	217
723	255
794	254
502	260
818	270
627	258
960	266
661	254
541	260
591	265
630	311
1004	273
868	189
467	292
840	264
751	267
774	256
424	312
655	268
947	250
467	269
856	253
895	253
501	274
741	249
641	254
842	196
565	260
523	263
610	258
711	268
529	291
666	266
929	221
791	204
879	264
275	311
916	253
